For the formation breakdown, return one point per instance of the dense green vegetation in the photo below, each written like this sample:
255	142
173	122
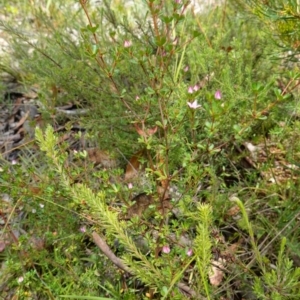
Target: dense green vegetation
164	161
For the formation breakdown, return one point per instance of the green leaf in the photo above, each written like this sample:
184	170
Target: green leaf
94	49
92	29
167	19
164	290
160	41
196	33
178	17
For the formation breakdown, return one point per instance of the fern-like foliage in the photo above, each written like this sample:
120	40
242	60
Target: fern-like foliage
203	244
138	263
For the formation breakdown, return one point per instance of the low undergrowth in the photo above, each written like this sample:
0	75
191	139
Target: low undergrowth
164	159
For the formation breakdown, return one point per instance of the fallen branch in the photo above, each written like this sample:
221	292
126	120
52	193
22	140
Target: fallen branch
107	251
101	244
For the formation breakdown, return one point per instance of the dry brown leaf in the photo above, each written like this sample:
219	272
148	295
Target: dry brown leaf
233	211
143	131
35	190
139	130
142	202
216	274
151	131
99	157
233	247
229	253
134	166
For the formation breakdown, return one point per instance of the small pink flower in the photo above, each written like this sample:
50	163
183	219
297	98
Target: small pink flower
193	105
218	95
191	90
127	43
130	185
196	87
166	249
137	98
189	252
82	229
186	68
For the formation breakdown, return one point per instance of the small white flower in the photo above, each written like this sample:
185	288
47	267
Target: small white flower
193	105
20	279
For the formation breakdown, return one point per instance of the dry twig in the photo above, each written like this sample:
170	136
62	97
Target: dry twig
101	244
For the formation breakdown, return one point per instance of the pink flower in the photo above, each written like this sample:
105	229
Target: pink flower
137	98
82	229
166	249
218	95
190	90
189	252
130	185
196	87
186	68
127	43
193	105
193	89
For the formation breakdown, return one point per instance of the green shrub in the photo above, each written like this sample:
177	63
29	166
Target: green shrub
185	90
